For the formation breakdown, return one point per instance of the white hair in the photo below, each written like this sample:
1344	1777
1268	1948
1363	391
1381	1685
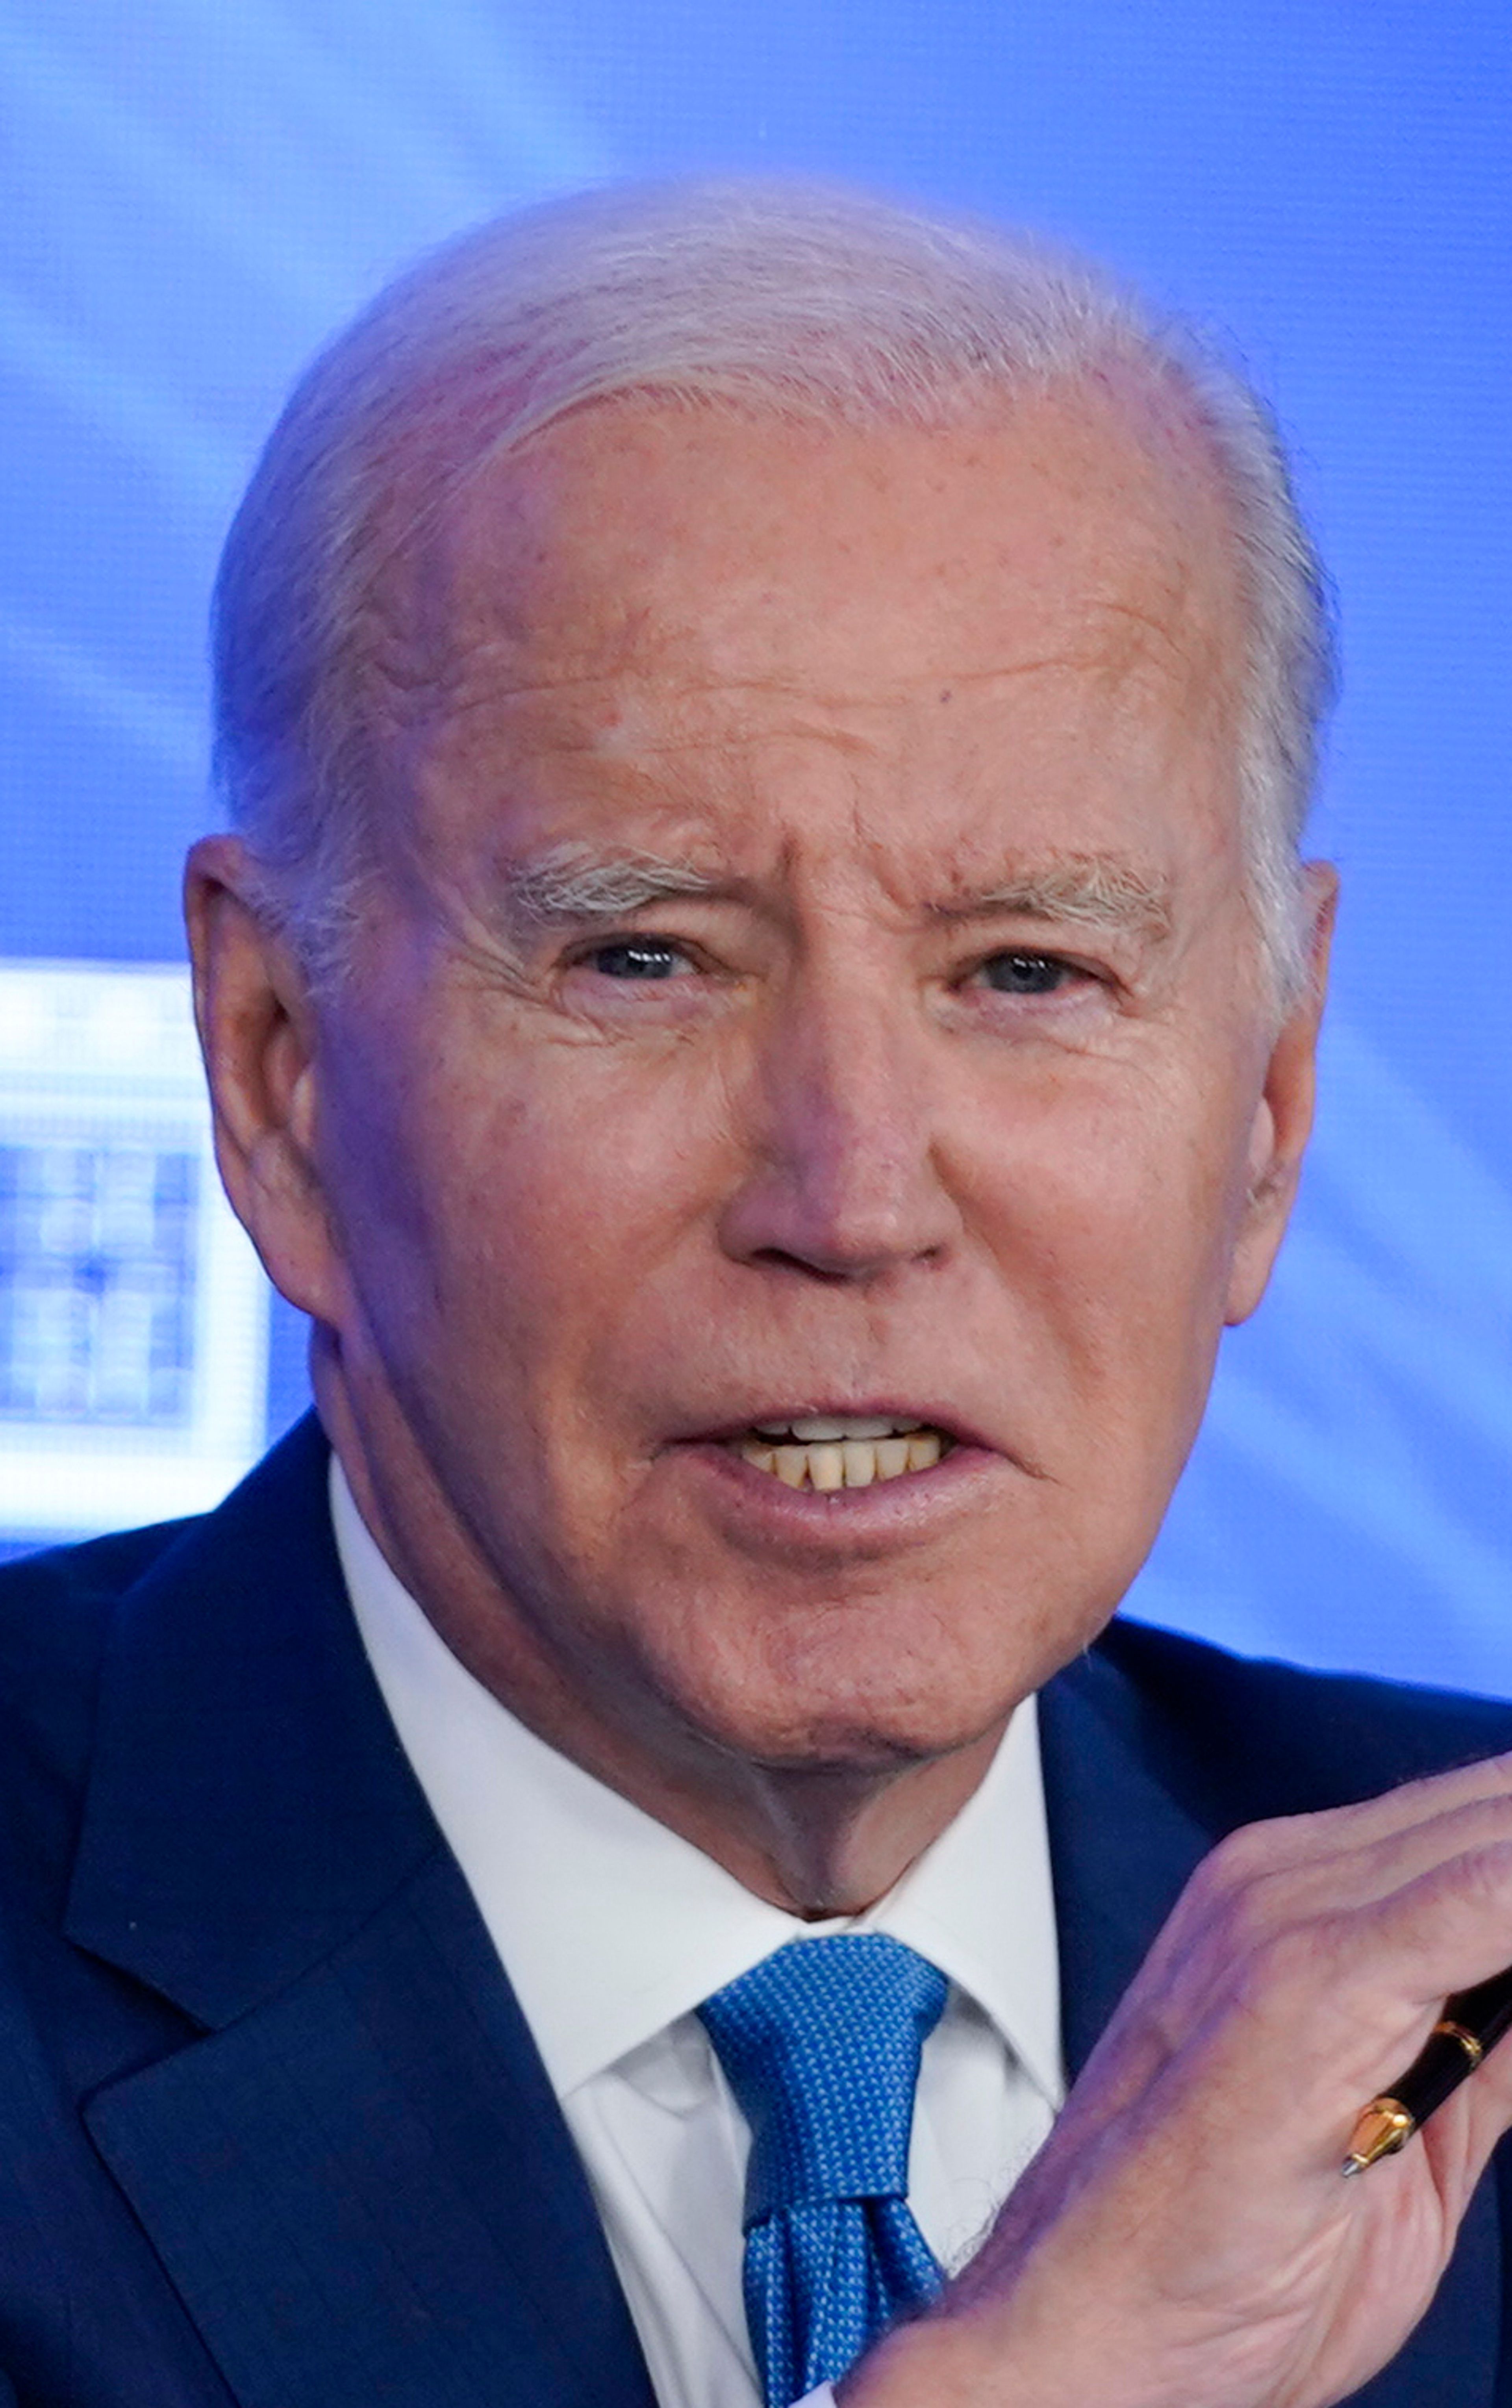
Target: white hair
780	298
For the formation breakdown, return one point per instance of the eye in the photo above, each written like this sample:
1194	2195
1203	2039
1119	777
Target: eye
637	957
1025	974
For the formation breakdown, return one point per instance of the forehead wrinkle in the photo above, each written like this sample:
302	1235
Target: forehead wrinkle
464	662
677	670
1185	640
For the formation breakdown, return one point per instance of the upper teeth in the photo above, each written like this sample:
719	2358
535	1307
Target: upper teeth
828	1451
817	1429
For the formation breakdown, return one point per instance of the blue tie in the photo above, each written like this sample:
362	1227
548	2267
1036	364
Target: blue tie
820	2045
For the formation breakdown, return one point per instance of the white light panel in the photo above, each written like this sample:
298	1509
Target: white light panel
133	1309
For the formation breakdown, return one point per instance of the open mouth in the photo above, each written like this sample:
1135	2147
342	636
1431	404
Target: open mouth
830	1451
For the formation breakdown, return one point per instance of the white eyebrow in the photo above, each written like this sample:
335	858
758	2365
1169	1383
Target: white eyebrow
572	884
1091	891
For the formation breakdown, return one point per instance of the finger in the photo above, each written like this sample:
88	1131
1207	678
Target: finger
1267	1877
1363	1873
1352	1947
1294	1839
1374	1974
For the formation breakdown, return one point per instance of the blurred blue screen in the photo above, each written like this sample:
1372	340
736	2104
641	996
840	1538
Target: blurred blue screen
192	194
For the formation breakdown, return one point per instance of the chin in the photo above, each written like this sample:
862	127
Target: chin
867	1726
868	1687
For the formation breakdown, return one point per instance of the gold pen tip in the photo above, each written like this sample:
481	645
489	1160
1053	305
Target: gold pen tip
1378	2132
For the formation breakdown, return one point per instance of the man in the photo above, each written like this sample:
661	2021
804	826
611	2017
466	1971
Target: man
763	1001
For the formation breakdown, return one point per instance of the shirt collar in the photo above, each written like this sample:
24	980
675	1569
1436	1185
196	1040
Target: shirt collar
612	1927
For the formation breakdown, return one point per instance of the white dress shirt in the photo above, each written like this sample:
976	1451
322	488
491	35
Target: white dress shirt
613	1930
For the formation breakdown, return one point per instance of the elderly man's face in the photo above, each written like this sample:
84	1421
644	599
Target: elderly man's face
946	1101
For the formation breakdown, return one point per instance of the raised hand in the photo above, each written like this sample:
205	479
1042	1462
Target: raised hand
1185	2239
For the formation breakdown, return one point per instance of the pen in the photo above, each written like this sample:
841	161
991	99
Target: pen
1472	2022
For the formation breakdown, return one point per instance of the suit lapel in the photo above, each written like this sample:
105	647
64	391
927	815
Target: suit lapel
356	2175
1122	1844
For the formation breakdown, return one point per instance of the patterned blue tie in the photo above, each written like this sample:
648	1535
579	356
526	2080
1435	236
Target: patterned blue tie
820	2045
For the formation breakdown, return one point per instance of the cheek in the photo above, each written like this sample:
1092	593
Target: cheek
502	1224
1115	1202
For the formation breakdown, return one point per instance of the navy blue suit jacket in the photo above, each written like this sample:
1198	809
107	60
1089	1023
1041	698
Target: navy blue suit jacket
271	2129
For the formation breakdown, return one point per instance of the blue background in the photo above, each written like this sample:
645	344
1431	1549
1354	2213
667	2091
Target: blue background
192	194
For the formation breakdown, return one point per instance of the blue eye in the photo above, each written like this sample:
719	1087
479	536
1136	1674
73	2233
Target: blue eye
1018	973
636	958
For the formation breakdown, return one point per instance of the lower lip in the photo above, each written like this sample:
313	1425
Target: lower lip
897	1505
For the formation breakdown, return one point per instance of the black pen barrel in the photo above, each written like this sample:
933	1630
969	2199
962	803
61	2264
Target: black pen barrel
1436	2074
1473	2022
1486	2011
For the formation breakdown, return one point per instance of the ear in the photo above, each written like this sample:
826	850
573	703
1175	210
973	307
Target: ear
1284	1115
257	1030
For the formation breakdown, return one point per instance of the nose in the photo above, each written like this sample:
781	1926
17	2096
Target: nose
847	1171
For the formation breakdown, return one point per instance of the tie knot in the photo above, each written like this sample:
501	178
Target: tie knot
820	2045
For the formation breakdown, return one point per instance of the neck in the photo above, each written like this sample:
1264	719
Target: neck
830	1840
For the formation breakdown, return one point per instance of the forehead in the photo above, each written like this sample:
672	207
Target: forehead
593	536
644	588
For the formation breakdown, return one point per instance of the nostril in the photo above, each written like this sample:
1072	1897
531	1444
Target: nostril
834	1270
778	1259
